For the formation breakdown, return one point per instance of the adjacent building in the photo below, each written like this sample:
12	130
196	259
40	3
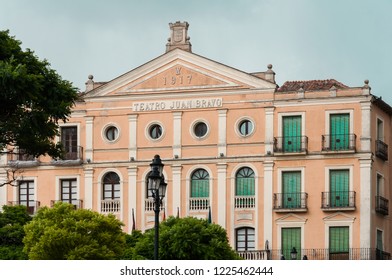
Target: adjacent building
303	165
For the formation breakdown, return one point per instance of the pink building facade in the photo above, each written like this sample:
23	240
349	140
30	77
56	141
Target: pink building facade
303	165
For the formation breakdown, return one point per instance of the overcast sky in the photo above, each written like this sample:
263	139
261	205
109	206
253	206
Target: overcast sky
346	40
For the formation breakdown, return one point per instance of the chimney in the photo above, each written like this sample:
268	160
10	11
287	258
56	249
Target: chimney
179	37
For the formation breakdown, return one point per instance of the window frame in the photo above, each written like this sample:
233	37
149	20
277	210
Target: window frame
112	186
246	240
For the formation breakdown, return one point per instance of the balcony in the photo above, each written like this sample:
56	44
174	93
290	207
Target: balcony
110	206
199	203
339	143
382	205
245	202
381	150
77	203
334	201
32	206
319	254
291	202
149	205
73	156
22	159
291	144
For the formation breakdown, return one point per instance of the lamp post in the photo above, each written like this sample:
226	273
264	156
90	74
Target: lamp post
157	189
293	253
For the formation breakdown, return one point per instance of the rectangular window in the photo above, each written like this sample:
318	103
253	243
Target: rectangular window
339	243
339	132
292	132
339	187
200	188
291	238
69	191
291	189
26	195
380	130
69	139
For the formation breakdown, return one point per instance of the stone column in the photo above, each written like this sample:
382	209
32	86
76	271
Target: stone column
177	118
365	203
132	119
132	196
176	189
221	197
222	115
89	150
3	189
366	126
268	190
269	130
88	188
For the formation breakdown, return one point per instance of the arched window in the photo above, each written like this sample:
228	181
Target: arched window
200	183
111	186
245	182
245	239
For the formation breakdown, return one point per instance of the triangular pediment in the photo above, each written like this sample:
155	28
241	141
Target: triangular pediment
339	216
179	71
291	218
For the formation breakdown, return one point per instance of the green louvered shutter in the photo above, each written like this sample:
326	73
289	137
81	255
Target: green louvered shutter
291	238
339	132
245	182
291	181
292	134
339	188
339	242
200	184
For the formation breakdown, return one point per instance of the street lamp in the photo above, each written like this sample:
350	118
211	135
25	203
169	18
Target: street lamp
293	253
157	189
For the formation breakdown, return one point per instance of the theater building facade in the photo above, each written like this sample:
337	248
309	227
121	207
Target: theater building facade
302	165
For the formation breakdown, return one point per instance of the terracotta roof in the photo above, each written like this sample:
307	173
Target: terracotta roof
311	85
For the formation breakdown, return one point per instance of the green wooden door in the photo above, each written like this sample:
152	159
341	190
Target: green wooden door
339	132
291	189
291	238
339	188
245	182
200	184
292	132
339	243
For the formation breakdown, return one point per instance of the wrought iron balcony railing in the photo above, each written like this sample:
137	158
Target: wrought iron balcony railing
338	142
77	203
317	254
32	206
382	205
291	144
244	201
290	201
381	150
341	200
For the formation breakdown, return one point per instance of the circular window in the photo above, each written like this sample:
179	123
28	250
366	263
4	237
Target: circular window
155	131
200	129
245	127
111	133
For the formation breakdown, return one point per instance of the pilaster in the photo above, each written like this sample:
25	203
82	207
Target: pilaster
222	116
222	170
89	151
132	150
88	188
177	119
268	192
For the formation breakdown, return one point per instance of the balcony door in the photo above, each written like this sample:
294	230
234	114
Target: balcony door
69	139
291	238
339	243
292	132
339	188
339	132
291	188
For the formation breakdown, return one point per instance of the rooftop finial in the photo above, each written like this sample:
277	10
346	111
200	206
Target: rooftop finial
179	37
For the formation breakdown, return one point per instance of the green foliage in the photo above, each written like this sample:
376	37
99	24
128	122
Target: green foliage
33	98
183	239
63	233
12	220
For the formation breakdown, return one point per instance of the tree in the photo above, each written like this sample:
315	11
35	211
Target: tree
33	99
183	239
64	233
12	220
